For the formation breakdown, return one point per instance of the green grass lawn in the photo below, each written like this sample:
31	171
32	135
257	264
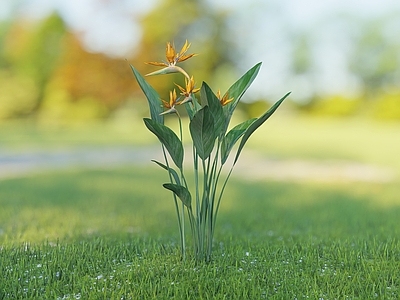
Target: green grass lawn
282	136
317	138
112	234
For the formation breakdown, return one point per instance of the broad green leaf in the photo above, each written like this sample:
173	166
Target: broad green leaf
153	98
237	90
257	123
181	192
232	137
192	107
168	138
170	170
202	132
209	98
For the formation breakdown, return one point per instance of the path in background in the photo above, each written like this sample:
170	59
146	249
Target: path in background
251	165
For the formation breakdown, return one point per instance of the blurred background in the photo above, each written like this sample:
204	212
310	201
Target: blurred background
70	108
65	60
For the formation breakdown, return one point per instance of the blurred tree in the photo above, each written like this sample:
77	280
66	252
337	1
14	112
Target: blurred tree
3	32
86	84
301	54
303	69
18	94
31	54
376	56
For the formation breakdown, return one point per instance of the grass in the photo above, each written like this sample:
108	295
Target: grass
112	234
316	138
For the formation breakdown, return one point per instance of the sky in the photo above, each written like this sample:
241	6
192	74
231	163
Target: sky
261	29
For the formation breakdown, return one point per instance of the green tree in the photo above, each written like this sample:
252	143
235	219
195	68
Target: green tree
376	56
31	54
86	85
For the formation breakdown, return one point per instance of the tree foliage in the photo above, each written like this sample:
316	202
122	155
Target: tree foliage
45	70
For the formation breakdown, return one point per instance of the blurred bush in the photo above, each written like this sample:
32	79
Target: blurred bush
387	106
85	85
336	105
19	95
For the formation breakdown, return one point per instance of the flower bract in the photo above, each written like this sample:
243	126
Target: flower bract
225	99
188	90
173	58
170	105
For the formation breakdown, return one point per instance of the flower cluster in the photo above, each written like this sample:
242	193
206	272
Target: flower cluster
187	93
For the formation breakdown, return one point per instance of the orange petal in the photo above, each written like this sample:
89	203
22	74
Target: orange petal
159	64
185	47
180	88
185	57
170	53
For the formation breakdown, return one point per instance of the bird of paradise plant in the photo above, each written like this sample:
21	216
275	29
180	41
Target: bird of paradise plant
212	144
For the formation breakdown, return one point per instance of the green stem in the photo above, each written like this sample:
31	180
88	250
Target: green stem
204	207
181	229
196	181
221	192
213	184
184	181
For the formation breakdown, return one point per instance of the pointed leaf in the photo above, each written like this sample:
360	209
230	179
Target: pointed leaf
170	170
202	132
257	123
192	107
153	98
209	98
237	90
169	139
232	137
181	192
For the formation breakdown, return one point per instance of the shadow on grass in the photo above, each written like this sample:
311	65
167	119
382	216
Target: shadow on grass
112	234
68	205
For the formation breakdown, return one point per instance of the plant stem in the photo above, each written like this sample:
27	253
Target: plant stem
196	181
181	229
184	181
221	192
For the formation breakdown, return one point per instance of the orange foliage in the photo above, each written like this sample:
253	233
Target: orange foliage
83	74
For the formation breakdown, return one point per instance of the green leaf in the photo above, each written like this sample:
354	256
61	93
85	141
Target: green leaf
169	139
202	132
170	170
181	192
237	90
192	107
209	98
153	98
257	123
232	137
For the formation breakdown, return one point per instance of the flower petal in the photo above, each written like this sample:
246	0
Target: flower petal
154	63
170	53
181	89
185	47
185	57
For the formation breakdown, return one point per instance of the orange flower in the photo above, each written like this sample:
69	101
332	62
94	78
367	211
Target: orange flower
225	99
170	105
188	90
172	59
